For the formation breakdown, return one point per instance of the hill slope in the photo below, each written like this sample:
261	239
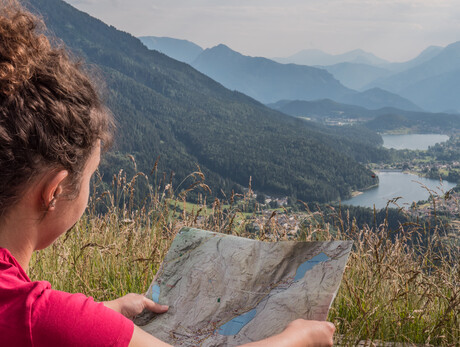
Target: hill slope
165	107
182	50
356	76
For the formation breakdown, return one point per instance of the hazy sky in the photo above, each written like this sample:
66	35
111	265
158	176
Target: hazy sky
395	30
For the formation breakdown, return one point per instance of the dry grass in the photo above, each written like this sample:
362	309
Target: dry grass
395	288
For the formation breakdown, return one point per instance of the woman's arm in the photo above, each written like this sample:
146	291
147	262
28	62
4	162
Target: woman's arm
142	339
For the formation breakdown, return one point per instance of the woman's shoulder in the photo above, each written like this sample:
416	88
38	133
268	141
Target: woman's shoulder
17	294
59	318
32	313
14	278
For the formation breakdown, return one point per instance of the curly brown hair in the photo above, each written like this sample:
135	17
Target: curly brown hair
51	115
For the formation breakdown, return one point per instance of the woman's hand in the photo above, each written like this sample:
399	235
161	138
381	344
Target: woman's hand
310	333
301	333
132	304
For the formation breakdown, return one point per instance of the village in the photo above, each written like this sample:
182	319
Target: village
444	207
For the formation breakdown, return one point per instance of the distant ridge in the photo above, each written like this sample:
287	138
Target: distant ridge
317	57
181	50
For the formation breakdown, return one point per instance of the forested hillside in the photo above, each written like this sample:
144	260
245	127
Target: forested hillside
166	108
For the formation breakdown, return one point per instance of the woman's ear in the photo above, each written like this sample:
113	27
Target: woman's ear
53	188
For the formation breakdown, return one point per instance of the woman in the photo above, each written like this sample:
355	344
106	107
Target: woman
52	129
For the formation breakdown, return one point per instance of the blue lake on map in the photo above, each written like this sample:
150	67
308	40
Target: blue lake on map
234	326
156	293
308	265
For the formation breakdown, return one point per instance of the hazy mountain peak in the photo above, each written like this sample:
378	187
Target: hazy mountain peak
222	46
357	51
221	52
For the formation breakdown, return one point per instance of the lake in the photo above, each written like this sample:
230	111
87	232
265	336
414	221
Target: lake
413	141
394	184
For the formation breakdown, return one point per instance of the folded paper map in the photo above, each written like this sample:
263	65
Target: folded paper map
227	290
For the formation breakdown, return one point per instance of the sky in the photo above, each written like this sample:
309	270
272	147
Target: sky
395	30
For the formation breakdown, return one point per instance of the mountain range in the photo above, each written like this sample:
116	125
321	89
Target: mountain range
429	81
167	108
269	81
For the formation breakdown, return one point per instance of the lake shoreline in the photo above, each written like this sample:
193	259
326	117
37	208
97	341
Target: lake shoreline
408	185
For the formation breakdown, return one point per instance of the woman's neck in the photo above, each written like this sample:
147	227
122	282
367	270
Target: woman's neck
17	239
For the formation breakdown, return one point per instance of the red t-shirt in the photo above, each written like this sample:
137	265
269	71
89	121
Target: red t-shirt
33	314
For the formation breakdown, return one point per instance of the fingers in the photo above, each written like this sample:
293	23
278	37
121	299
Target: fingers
154	307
